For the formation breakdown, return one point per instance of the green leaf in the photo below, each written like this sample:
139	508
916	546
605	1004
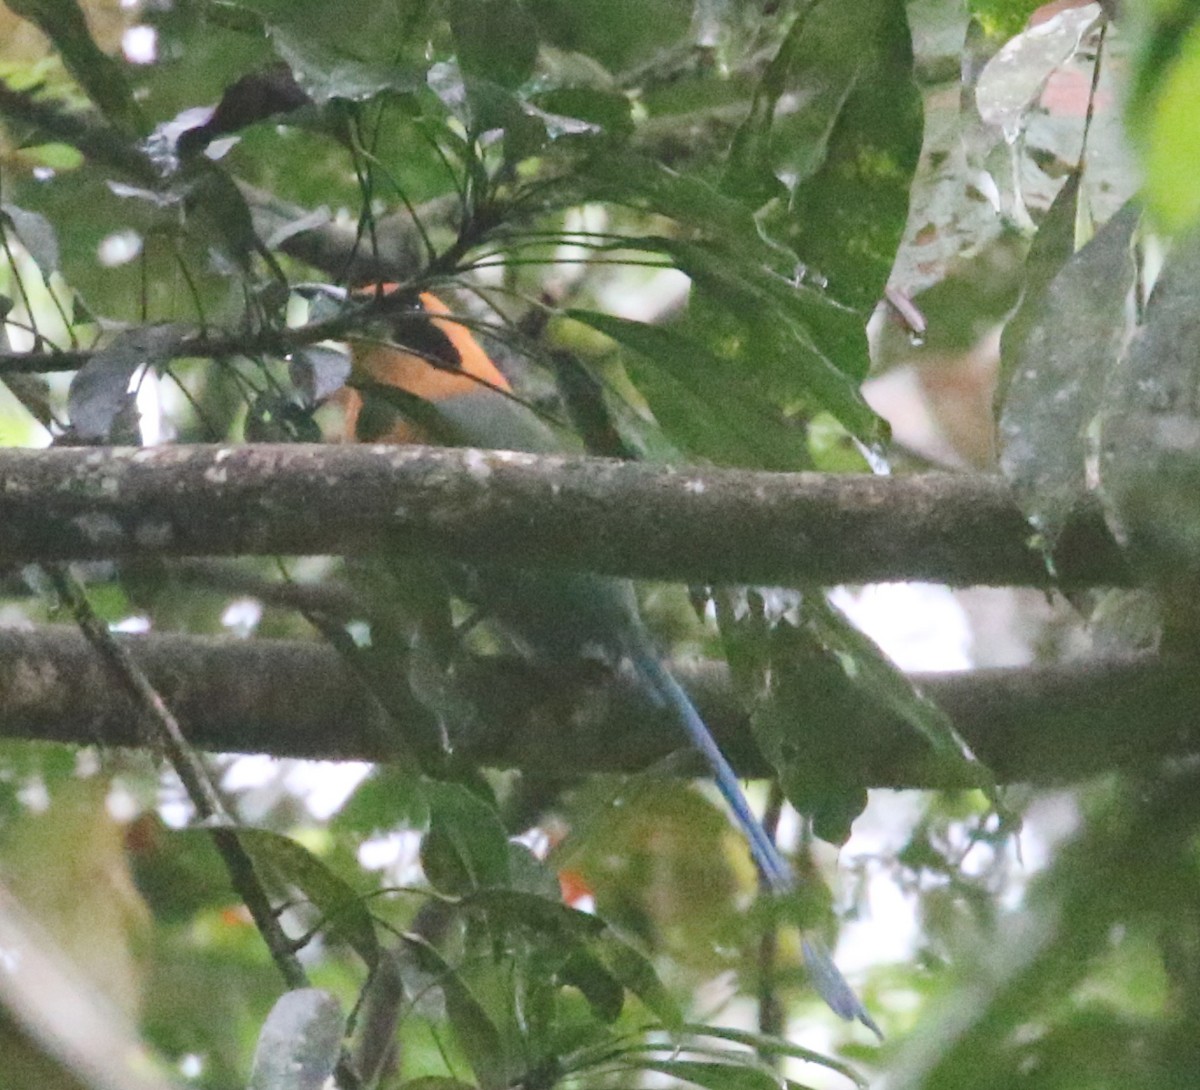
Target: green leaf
300	1042
513	909
767	1045
636	974
700	399
786	330
604	993
466	847
750	172
388	798
847	146
435	1082
496	40
475	1031
873	673
326	73
717	1076
345	913
608	111
353	49
846	219
1161	114
617	34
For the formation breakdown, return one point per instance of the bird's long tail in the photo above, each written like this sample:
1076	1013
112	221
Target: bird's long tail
778	875
774	868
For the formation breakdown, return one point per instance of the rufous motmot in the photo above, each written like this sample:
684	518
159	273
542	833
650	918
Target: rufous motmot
467	401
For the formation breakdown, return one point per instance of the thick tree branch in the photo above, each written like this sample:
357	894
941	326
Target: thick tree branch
620	518
1044	726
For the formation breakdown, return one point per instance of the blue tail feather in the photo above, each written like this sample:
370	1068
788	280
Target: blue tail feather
825	975
774	867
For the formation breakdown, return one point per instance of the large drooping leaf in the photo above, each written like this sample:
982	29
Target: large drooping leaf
474	1027
1150	431
700	399
591	952
618	34
1060	349
845	157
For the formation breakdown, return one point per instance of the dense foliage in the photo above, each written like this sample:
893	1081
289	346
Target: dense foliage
687	233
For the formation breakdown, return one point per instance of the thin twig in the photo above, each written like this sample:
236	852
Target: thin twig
163	730
770	1009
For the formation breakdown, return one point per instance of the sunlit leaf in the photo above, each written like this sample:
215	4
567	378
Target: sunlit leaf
1166	85
300	1042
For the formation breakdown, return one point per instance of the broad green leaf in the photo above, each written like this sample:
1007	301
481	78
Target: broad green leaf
513	909
474	1029
604	993
344	910
300	1042
846	219
388	798
326	72
618	34
591	955
435	1082
873	673
840	160
1069	336
496	40
750	172
787	330
357	34
609	111
466	847
1161	111
637	975
700	399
